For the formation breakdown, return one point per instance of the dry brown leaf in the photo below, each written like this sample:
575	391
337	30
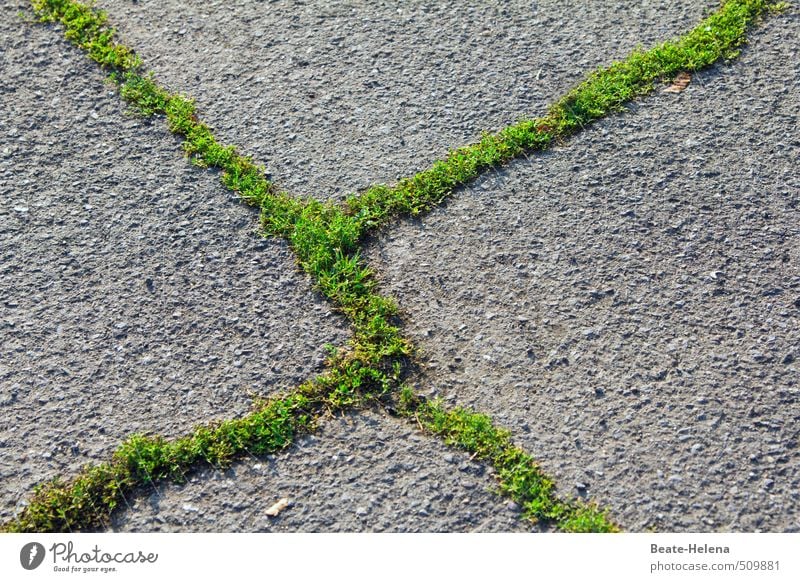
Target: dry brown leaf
680	83
277	507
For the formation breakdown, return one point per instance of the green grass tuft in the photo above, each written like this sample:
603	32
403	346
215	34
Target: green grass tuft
86	28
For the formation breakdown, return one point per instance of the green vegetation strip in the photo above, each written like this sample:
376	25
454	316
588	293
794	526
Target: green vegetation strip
85	503
520	477
326	239
605	91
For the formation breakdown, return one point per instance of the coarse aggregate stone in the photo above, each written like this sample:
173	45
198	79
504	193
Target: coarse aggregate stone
629	304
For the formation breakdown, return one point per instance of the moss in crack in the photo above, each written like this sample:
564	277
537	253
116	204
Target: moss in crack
86	502
519	476
604	92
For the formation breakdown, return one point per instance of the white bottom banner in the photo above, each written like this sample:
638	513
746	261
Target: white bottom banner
118	557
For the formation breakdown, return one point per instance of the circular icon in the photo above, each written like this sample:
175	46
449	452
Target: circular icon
31	555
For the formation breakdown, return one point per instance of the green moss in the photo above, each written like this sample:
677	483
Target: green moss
519	476
605	91
326	239
86	28
86	501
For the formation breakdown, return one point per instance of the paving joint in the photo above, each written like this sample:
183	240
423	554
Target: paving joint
327	240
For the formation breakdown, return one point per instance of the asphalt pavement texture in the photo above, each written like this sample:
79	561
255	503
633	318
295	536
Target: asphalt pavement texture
627	304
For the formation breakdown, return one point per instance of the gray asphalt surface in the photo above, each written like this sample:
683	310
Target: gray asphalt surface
335	96
647	352
629	304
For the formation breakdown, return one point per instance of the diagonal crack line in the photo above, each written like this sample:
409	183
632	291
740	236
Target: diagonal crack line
327	239
603	92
